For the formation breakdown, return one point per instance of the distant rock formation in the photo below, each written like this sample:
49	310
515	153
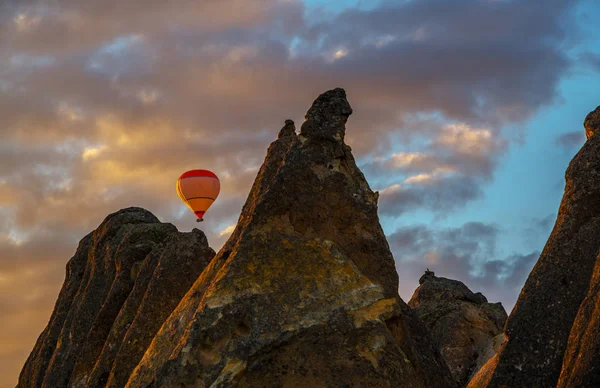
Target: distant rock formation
303	294
554	330
123	282
465	327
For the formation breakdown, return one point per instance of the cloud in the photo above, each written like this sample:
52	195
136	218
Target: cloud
475	45
29	283
445	174
218	66
438	195
592	60
227	231
536	230
570	140
467	253
545	224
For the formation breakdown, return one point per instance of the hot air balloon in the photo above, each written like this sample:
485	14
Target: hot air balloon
198	189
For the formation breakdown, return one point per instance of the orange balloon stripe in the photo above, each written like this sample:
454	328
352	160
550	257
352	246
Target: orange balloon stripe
199	187
200	204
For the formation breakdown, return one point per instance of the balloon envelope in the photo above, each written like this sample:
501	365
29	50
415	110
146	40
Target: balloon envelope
198	189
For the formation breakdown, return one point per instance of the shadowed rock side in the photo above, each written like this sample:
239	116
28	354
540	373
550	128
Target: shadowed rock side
581	363
465	327
304	292
554	326
123	282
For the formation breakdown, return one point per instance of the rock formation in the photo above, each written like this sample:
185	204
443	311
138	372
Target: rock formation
554	330
304	292
123	282
465	327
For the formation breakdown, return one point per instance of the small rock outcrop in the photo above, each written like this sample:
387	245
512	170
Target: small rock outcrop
465	327
125	279
304	292
554	330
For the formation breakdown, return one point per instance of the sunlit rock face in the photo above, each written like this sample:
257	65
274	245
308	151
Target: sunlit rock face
554	330
304	293
465	327
122	283
592	123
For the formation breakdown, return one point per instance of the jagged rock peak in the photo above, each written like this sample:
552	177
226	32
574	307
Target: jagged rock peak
289	129
327	116
465	327
428	275
592	122
122	283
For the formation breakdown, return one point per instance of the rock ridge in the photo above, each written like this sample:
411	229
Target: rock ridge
465	327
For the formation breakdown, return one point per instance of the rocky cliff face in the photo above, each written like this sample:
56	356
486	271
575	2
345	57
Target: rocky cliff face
123	282
554	330
465	327
304	292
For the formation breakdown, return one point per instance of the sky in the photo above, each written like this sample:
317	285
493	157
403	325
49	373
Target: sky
466	115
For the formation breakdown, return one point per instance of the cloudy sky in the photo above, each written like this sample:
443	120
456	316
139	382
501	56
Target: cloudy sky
466	114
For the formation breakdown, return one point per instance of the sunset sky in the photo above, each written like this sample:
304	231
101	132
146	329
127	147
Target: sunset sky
466	115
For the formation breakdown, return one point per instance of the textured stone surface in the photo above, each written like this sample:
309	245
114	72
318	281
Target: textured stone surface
554	326
465	327
304	292
122	283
